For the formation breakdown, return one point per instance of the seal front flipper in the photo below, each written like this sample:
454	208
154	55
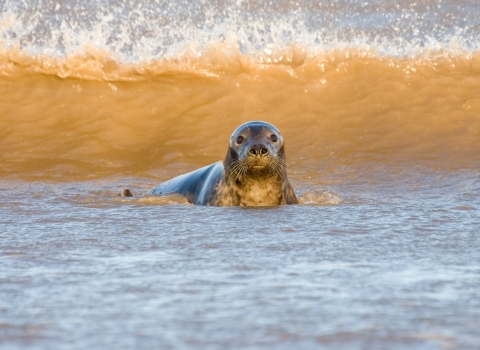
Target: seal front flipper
199	186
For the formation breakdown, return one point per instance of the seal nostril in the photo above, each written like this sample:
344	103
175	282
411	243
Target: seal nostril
264	150
252	151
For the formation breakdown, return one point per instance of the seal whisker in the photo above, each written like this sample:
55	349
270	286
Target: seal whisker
278	166
232	168
237	169
282	164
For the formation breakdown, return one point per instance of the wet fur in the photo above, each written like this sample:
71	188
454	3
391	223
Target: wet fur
244	185
240	180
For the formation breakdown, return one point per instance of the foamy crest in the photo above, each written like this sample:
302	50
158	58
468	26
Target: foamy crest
319	197
162	200
153	29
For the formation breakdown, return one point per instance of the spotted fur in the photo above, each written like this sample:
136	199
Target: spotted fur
254	172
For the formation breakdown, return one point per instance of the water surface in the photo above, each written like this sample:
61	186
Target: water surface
379	106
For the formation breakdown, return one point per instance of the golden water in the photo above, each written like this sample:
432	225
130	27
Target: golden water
91	116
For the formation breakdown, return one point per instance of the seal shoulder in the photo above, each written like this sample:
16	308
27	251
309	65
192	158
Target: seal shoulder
198	186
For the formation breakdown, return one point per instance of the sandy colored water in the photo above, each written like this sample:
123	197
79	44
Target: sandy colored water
332	107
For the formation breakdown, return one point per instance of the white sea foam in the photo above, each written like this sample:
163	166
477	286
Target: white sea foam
157	29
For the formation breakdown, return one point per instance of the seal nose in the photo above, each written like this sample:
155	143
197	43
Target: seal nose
260	150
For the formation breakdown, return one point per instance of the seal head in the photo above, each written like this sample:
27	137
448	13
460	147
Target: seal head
255	167
256	149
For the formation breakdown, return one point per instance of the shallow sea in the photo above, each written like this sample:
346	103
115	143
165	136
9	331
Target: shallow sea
379	106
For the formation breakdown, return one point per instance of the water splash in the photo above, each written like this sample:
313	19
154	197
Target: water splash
320	197
154	29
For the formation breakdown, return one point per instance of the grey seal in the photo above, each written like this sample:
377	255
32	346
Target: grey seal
254	172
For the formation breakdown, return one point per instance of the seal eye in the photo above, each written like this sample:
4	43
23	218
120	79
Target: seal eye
273	138
240	139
